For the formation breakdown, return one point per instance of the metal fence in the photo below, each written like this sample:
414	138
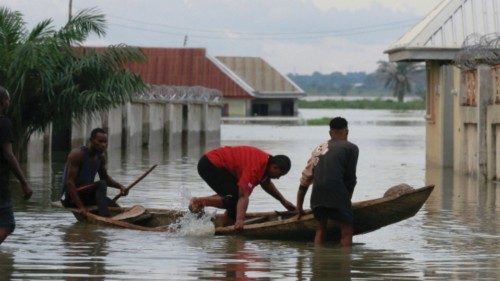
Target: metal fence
180	94
479	49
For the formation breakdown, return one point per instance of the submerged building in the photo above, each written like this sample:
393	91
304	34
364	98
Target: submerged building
459	41
250	86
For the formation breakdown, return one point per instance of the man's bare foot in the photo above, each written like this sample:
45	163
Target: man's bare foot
195	206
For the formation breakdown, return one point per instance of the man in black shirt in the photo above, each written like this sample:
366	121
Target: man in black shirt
332	171
8	162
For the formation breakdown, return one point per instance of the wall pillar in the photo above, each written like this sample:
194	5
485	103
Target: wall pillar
484	93
173	124
193	126
211	123
112	123
132	124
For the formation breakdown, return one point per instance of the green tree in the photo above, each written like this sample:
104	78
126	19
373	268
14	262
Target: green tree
398	76
51	78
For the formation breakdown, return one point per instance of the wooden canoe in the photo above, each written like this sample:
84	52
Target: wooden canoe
369	215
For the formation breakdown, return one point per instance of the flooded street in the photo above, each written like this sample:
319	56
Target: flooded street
455	236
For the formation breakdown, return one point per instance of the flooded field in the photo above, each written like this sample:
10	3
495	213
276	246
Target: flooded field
455	236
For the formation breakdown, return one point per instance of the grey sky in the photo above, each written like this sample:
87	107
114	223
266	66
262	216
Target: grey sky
299	36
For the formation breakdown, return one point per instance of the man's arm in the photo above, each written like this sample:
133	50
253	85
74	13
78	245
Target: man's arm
351	171
103	175
270	188
241	209
73	162
301	193
16	169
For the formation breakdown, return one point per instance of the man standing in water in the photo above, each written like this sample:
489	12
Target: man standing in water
233	172
8	162
332	170
81	168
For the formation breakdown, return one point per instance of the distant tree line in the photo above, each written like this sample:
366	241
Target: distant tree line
377	83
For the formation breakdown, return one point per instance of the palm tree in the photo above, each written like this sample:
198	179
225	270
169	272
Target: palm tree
51	79
398	76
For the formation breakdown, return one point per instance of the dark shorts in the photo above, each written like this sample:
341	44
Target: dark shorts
7	219
222	182
322	213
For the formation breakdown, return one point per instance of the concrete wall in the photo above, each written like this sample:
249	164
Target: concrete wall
193	125
493	141
174	121
80	130
211	123
154	123
463	120
113	124
440	121
36	147
177	117
132	124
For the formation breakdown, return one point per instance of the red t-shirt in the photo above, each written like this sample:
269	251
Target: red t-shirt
248	164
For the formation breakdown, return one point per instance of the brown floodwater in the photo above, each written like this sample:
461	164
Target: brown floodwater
455	236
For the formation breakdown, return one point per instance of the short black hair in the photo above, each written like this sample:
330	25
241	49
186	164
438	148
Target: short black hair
96	131
282	161
4	93
338	123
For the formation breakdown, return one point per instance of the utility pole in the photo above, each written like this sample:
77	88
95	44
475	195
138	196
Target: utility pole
185	41
69	10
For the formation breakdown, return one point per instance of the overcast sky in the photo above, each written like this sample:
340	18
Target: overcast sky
295	36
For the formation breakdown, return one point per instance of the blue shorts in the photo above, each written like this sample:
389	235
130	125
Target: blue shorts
7	219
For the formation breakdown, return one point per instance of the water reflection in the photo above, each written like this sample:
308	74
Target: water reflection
6	264
454	237
241	263
328	263
462	226
85	251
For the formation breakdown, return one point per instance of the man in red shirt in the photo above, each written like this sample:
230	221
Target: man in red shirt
233	172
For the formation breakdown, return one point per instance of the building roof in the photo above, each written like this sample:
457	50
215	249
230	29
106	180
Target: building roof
264	80
189	67
440	34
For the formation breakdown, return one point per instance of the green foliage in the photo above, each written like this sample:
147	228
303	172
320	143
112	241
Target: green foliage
352	83
364	104
51	79
398	76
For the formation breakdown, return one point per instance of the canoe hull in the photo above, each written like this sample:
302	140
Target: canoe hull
369	215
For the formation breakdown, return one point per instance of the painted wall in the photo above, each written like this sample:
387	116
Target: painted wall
237	107
112	123
463	117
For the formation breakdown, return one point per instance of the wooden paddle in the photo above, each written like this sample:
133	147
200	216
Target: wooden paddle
135	182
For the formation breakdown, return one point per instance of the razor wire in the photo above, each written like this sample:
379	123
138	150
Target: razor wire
478	49
180	94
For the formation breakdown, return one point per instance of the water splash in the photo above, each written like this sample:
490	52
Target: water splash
192	224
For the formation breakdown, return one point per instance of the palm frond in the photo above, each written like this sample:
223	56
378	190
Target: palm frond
42	30
84	23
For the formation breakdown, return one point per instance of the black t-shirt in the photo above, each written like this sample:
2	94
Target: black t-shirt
5	137
335	176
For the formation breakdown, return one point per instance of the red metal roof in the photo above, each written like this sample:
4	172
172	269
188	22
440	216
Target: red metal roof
185	67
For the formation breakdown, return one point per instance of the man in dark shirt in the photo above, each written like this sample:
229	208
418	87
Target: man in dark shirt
332	170
8	162
79	188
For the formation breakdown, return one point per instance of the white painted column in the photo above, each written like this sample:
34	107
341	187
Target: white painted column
132	124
